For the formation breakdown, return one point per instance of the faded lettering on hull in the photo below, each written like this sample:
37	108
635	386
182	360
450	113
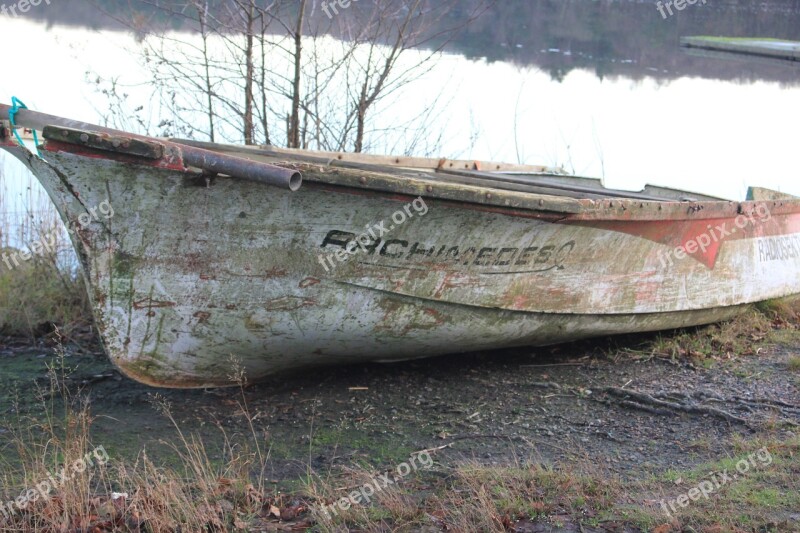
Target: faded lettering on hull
402	253
779	249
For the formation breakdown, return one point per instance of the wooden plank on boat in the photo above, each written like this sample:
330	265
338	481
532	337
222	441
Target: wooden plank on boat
429	187
93	137
574	191
767	47
512	179
429	163
519	184
106	142
762	194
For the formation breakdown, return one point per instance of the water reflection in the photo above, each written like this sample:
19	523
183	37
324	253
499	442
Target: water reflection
608	37
630	39
600	88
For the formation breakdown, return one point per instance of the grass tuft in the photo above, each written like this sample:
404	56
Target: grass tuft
64	482
37	296
747	334
40	283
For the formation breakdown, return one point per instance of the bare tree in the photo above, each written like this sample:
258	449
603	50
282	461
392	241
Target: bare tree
202	17
253	65
250	14
387	32
294	124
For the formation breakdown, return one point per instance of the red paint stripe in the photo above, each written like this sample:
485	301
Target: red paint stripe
712	233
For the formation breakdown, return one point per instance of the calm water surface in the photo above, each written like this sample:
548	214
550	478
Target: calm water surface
599	88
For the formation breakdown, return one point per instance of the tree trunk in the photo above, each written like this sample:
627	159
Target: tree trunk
264	123
207	71
249	75
294	122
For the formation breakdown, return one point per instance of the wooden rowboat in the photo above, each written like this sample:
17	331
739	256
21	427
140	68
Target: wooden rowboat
197	254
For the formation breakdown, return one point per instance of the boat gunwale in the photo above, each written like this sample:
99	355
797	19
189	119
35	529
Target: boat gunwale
427	183
378	178
521	203
486	198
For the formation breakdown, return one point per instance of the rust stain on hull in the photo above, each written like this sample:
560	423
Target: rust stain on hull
152	304
309	282
289	303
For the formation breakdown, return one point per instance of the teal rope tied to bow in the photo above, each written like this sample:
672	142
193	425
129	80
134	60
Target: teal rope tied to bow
16	105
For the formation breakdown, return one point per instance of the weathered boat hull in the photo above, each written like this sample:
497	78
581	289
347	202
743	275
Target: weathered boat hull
195	275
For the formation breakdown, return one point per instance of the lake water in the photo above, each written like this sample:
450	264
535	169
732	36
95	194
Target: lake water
599	88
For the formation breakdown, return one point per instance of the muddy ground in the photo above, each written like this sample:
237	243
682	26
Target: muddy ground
545	404
563	404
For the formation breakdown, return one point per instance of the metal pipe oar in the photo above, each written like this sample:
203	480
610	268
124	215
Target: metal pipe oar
239	167
208	160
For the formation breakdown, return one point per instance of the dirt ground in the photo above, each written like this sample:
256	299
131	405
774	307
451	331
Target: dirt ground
542	404
608	403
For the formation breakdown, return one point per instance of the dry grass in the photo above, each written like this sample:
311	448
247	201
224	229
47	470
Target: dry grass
495	498
38	295
200	494
763	498
473	497
747	334
110	495
394	506
46	446
47	289
197	493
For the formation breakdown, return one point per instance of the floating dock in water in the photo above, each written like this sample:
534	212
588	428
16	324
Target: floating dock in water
776	48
